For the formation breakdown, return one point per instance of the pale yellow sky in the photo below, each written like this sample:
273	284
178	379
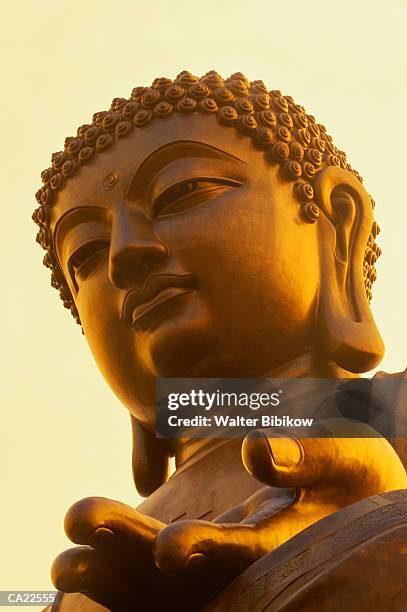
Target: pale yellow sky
64	435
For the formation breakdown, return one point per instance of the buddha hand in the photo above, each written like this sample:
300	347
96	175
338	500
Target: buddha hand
326	473
114	564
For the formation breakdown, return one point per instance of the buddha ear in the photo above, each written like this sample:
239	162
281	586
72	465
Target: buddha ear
150	459
347	333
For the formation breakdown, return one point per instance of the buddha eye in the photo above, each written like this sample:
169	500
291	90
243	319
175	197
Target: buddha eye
84	260
187	194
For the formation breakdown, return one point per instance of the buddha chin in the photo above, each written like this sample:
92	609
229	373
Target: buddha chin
175	342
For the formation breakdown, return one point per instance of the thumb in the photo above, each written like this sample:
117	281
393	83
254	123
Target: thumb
367	463
273	459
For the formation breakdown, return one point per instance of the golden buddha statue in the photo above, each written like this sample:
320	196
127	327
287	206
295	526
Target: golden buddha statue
210	228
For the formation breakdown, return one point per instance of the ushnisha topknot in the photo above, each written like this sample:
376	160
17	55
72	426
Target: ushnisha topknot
278	126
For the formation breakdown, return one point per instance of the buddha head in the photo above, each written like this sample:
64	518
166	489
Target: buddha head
209	228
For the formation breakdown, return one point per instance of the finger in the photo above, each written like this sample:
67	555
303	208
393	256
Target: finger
275	460
225	550
104	523
88	571
188	546
73	571
370	464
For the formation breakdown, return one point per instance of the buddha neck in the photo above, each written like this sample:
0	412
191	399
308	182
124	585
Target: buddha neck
186	450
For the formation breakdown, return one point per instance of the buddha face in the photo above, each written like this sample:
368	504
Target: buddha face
187	257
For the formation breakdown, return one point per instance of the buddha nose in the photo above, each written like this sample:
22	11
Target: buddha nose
135	250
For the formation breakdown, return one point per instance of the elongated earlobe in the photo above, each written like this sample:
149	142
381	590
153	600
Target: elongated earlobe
347	333
150	459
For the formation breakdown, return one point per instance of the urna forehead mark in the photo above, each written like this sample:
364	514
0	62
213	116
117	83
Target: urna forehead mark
145	155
